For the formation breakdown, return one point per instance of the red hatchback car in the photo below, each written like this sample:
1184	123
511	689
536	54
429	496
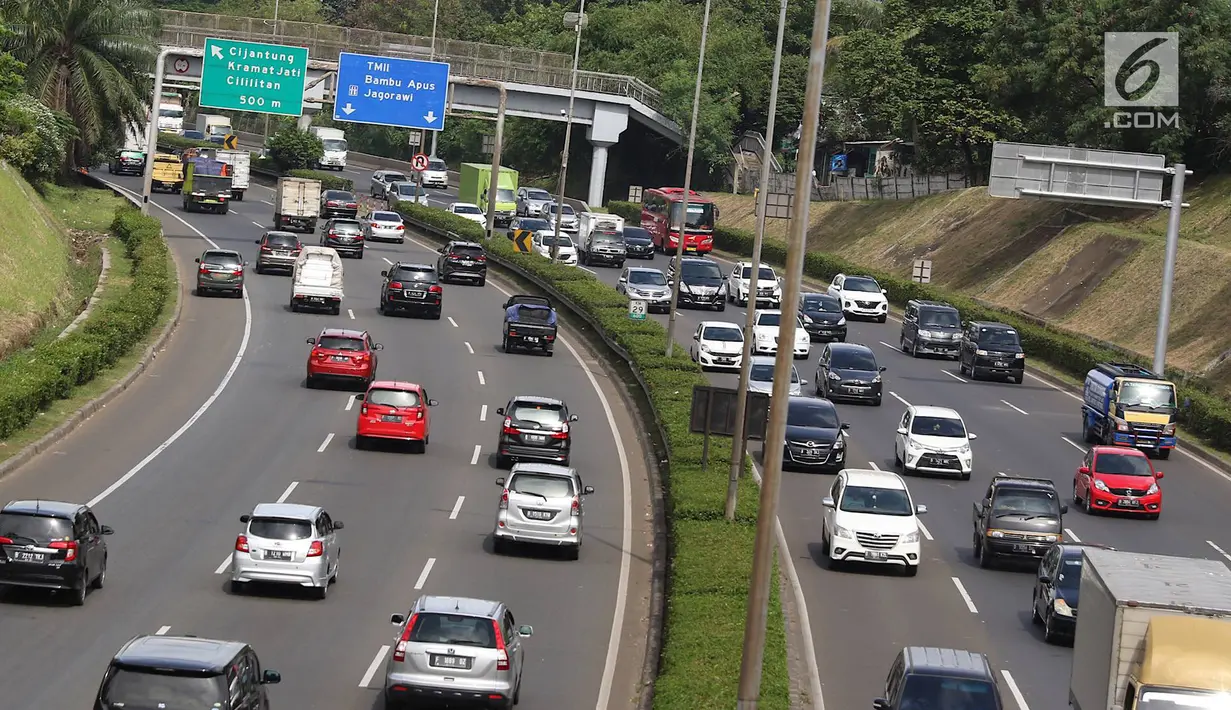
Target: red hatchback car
397	411
341	354
1120	479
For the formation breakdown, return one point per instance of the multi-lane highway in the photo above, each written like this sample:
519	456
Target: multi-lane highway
223	422
861	618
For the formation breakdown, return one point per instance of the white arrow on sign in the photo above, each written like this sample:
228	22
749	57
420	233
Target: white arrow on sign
430	117
348	109
216	51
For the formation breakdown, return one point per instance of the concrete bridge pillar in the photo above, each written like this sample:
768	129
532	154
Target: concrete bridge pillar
610	120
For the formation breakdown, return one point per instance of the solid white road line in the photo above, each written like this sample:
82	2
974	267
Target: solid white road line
325	443
287	493
1074	444
162	630
457	507
1010	404
896	396
223	567
1218	549
965	597
350	402
390	263
258	224
451	321
481	380
483	414
474	458
926	533
1072	535
469	348
959	379
350	313
226	378
427	569
373	666
1014	690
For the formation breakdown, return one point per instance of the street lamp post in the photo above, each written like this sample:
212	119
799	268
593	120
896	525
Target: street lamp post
277	3
739	443
683	220
767	515
151	130
568	129
435	14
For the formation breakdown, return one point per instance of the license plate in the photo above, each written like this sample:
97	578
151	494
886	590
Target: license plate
220	275
391	418
535	439
280	555
538	515
724	360
467	262
1021	548
340	358
29	557
857	389
532	339
1001	363
460	662
316	299
415	294
812	452
876	555
1130	502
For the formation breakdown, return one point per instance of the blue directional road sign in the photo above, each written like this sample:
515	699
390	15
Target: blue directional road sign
391	91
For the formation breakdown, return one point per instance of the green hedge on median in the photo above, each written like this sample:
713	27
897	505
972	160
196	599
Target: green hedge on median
30	380
171	142
711	560
329	181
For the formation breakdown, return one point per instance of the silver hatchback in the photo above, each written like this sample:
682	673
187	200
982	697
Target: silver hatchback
287	543
456	650
541	504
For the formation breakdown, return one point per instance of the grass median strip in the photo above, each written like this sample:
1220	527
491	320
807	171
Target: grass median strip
712	559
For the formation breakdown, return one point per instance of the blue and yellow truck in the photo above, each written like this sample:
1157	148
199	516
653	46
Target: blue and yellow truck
1127	405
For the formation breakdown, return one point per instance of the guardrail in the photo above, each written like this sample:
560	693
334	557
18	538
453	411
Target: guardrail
469	59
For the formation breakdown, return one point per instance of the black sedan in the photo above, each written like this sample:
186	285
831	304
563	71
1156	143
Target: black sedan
638	244
849	371
339	203
814	435
823	317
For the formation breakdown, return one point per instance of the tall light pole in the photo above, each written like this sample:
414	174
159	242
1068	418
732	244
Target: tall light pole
277	3
151	130
692	143
763	549
435	14
568	127
739	443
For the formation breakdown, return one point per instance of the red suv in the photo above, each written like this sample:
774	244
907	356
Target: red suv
1119	479
341	354
397	411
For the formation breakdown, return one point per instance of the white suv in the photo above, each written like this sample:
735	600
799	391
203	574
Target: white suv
768	288
861	296
933	440
869	516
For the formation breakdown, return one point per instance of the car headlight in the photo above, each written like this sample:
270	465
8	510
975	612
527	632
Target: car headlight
835	377
806	318
914	445
910	537
1152	489
1019	356
846	304
1062	608
965	450
1101	486
1051	538
839	443
841	321
705	348
981	352
926	334
839	531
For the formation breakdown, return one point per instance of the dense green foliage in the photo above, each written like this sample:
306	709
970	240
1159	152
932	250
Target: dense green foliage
711	558
33	138
50	371
293	149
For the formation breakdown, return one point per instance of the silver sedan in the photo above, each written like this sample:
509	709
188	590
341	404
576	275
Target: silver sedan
382	226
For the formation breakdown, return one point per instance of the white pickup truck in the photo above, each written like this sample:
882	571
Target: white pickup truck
316	281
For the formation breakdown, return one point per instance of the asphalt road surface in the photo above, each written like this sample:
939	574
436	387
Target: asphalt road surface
861	618
228	395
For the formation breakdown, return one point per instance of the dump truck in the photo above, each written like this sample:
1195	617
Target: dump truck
1154	633
1127	405
168	173
297	204
474	182
207	186
241	163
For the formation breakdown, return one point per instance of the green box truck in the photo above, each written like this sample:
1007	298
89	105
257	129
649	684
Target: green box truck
475	179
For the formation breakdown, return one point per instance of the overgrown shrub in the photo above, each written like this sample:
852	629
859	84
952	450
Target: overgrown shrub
293	149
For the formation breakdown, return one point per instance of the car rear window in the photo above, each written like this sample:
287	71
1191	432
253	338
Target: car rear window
220	258
132	154
36	527
413	273
282	240
453	630
337	342
392	398
395	177
386	217
548	415
543	484
339	195
468	250
280	528
128	687
346	227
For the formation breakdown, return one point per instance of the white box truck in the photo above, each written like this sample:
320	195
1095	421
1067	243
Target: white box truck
334	140
213	127
588	222
316	280
241	165
297	204
1154	633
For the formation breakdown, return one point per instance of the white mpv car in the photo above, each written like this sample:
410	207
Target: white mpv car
861	296
933	440
718	344
566	253
869	516
765	335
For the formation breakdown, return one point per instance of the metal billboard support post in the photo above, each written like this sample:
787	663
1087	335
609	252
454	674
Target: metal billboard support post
771	479
499	141
151	131
568	130
1173	245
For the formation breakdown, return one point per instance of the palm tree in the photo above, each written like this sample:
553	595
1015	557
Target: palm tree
91	59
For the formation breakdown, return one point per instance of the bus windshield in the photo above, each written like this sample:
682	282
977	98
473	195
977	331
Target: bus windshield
700	215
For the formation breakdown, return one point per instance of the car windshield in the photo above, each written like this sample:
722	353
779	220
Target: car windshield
811	414
765	274
505	195
550	239
280	528
861	284
394	177
997	337
543	484
876	501
339	342
940	319
700	215
636	234
220	258
412	273
347	227
938	426
822	304
1157	698
386	217
141	688
1146	394
437	165
702	271
1027	503
210	183
769	319
170	112
608	238
1070	572
544	415
532	224
453	630
466	209
927	691
764	372
392	398
723	334
289	241
1122	464
466	250
647	278
34	527
853	360
333	145
537	195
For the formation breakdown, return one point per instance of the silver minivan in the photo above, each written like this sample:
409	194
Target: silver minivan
456	650
287	543
541	504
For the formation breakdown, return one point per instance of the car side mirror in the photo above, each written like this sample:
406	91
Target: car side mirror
385	274
882	369
803	383
338	525
572	417
921	509
587	490
378	346
1084	470
271	678
827	502
245	518
441	250
885	291
1044	579
311	341
622	280
1158	474
844	427
359	397
525	631
257	241
902	431
880	704
107	530
1063	509
696	337
500	481
397	619
245	263
198	260
971	436
500	411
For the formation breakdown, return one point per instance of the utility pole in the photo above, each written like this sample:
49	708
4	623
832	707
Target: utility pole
568	130
1173	245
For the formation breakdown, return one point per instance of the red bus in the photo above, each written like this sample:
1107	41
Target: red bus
662	212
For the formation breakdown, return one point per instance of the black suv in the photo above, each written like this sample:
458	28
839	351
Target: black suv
927	677
849	371
992	349
463	260
127	162
931	328
701	283
52	545
150	670
344	236
411	287
823	317
534	429
638	244
339	203
1018	518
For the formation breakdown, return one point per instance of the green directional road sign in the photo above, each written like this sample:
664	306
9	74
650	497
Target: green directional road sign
251	76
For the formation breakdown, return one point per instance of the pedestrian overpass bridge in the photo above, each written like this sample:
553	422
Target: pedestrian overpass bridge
537	82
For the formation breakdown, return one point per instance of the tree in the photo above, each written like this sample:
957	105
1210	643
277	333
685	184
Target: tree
293	149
